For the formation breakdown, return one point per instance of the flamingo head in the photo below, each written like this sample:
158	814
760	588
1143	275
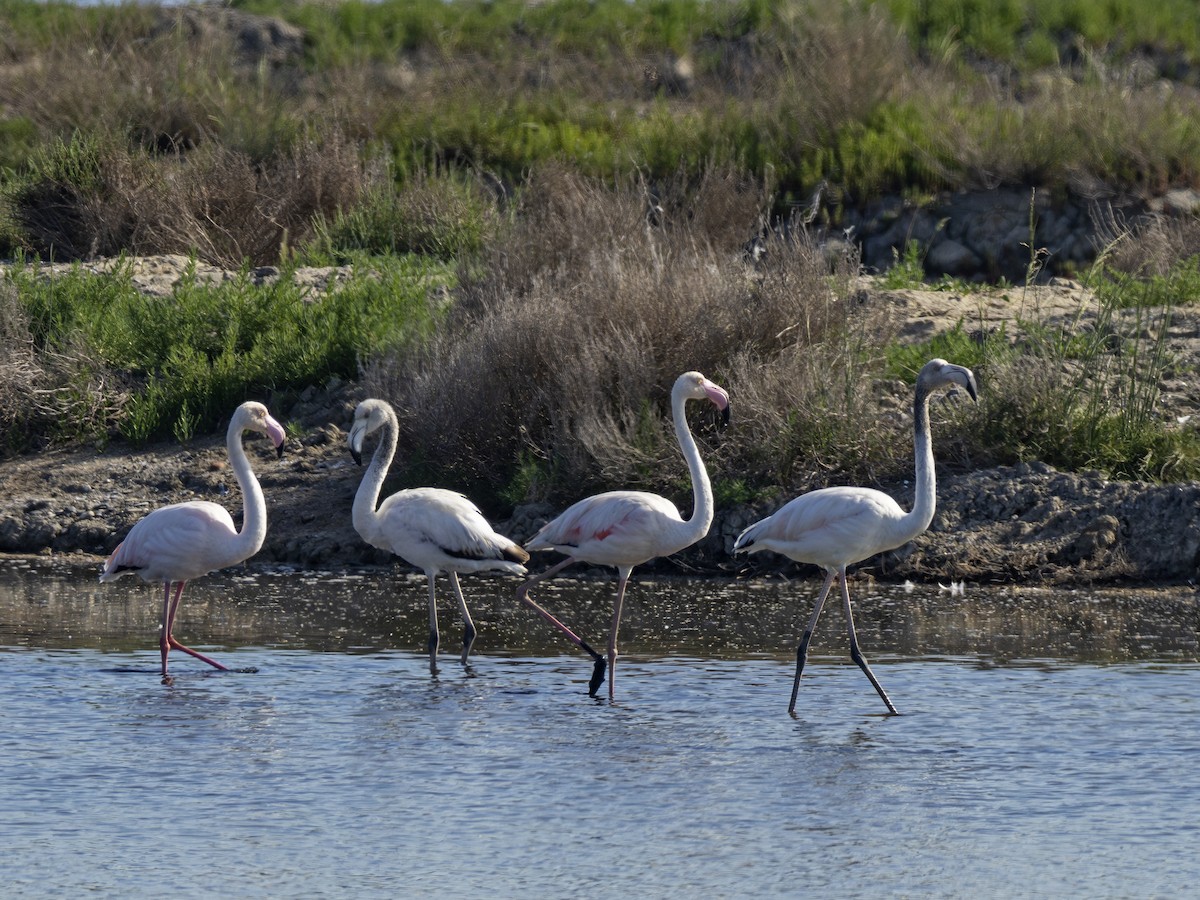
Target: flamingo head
368	416
937	373
694	386
252	416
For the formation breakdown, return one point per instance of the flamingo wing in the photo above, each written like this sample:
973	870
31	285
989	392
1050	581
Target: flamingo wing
175	543
439	529
828	527
614	528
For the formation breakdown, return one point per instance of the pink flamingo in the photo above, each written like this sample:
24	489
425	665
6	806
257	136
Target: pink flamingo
834	527
176	543
627	528
433	529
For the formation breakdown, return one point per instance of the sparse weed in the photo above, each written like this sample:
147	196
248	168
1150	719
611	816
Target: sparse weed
446	217
907	271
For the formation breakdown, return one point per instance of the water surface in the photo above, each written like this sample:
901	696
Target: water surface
1047	746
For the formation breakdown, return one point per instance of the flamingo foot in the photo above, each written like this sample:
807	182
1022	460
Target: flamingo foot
200	656
468	642
597	676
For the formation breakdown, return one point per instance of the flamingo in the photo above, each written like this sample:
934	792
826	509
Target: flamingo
627	528
836	526
433	529
176	543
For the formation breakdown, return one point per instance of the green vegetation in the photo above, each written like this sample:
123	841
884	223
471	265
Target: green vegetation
546	206
163	366
868	97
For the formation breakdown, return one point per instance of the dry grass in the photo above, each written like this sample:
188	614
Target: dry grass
212	201
18	368
798	93
48	396
1155	246
556	368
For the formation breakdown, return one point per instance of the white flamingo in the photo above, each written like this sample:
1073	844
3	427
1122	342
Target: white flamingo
834	527
433	529
176	543
627	528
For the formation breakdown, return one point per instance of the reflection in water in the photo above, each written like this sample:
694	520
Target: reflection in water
376	610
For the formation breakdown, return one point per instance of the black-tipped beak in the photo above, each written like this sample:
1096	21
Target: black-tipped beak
726	415
354	441
279	450
971	387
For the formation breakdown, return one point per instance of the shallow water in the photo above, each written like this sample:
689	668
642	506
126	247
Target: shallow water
1047	746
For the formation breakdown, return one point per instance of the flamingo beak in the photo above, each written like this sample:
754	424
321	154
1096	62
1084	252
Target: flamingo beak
276	433
720	399
968	381
355	441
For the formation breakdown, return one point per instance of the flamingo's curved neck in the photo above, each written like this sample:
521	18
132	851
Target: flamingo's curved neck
367	497
919	517
697	525
254	508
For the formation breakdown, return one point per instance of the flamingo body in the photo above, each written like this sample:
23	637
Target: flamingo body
830	526
177	543
627	528
440	530
434	529
838	526
617	528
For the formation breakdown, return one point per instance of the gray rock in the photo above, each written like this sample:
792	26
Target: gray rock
949	257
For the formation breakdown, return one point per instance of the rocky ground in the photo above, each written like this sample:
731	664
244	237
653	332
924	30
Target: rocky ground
1026	523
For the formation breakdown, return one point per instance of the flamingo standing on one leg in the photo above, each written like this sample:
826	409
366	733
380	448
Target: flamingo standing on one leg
174	544
627	528
834	527
433	529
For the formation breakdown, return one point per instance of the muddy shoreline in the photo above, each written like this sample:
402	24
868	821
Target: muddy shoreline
1024	524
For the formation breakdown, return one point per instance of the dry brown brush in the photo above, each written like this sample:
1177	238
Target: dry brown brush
49	396
552	375
94	198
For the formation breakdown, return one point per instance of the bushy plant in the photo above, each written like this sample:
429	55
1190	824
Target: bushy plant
1080	394
202	350
553	373
442	216
92	197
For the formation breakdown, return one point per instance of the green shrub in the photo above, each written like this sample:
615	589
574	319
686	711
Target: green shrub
445	217
206	347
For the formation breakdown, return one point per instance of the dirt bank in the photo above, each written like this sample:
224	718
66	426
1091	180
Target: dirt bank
1026	523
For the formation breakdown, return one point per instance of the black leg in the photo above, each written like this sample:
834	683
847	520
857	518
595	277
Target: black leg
856	654
802	650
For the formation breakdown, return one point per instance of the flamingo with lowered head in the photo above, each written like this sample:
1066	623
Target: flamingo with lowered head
176	543
627	528
434	529
836	526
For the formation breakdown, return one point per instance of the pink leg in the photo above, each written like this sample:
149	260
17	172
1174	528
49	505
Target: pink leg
434	637
164	640
167	640
523	596
622	580
468	625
